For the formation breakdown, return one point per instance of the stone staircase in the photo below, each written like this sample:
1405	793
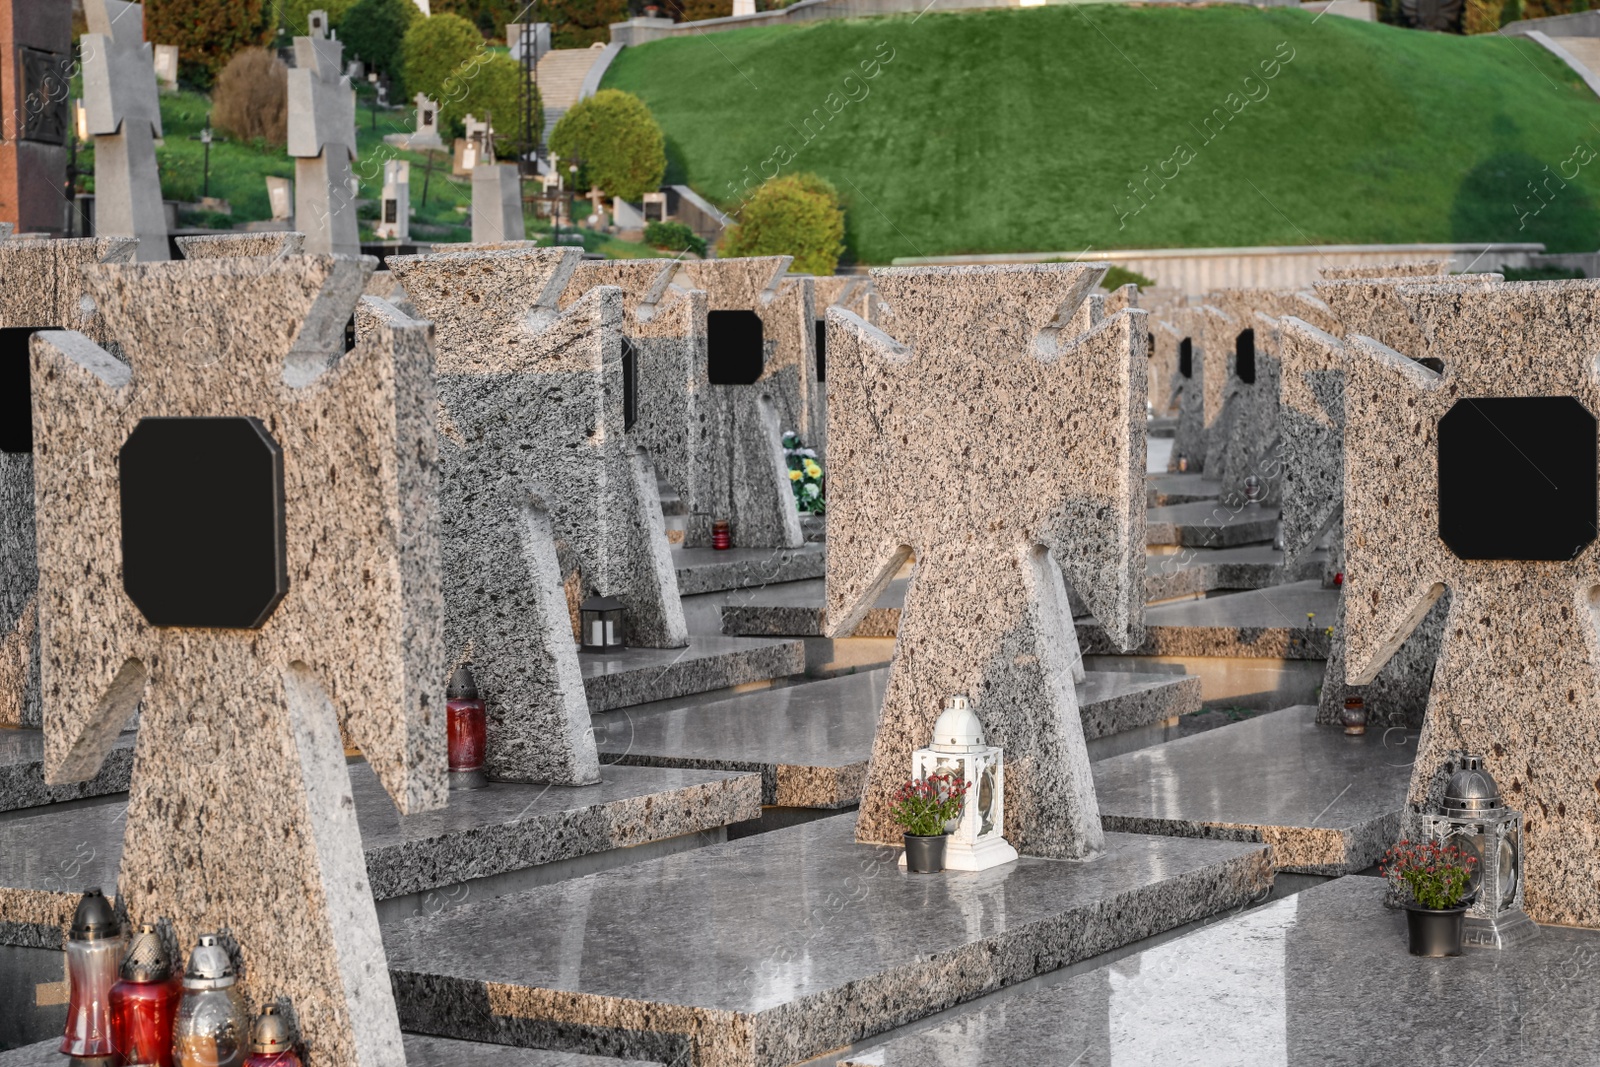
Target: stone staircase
561	73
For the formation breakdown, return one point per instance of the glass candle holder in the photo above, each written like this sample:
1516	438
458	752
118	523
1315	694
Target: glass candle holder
94	952
468	730
144	1003
211	1029
721	535
1354	716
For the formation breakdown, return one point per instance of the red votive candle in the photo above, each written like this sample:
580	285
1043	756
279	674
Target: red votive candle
468	728
144	1002
721	537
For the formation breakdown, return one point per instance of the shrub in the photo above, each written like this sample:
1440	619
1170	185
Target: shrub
373	30
581	23
251	98
492	86
445	57
435	50
617	142
674	237
207	32
794	215
1116	277
1481	16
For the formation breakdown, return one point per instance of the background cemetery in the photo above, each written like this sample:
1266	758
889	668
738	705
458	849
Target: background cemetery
476	578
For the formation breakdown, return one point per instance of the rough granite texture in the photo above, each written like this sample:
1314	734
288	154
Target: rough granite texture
546	500
42	287
1271	986
748	476
1516	676
1201	394
22	783
853	293
641	675
1327	803
51	855
1162	381
271	243
709	570
1258	623
124	117
818	942
1210	524
322	140
1041	428
240	730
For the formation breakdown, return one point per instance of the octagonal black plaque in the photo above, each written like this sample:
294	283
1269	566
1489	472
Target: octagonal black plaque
1517	478
203	522
735	347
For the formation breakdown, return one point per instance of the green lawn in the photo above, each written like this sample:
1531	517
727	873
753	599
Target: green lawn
1023	129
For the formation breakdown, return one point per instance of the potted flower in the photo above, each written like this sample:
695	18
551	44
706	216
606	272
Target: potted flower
1431	881
922	806
805	475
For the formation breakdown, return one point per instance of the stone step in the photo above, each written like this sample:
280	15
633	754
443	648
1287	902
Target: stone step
421	1051
1271	985
48	856
1163	489
1210	524
1326	802
776	948
22	771
708	570
1270	623
811	742
1193	572
641	675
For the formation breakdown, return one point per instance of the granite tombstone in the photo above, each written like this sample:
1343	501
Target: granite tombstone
322	140
124	116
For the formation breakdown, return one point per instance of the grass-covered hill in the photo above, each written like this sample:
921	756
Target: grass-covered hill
1065	127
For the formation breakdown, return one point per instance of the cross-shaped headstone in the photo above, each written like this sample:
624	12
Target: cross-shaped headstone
123	107
238	534
1483	480
1202	389
1006	452
545	500
322	138
41	287
427	134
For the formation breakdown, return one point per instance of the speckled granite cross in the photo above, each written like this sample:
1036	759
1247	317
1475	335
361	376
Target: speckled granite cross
1517	676
240	817
985	435
546	500
40	286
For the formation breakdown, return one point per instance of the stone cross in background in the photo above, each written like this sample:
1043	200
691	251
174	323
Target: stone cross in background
238	534
1006	451
322	138
546	499
1483	479
1203	387
761	370
124	114
41	287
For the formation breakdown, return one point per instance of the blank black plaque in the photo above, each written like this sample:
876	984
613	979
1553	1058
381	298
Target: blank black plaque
16	394
822	350
735	347
1244	356
630	384
203	522
1186	358
1517	478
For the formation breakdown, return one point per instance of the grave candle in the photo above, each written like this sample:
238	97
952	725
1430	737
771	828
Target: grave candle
210	1030
144	1004
468	731
600	624
273	1045
94	948
720	537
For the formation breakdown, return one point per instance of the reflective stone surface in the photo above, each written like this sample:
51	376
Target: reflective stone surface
1318	979
420	1052
1269	622
640	675
1328	803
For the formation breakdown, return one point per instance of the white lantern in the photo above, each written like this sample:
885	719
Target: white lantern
958	750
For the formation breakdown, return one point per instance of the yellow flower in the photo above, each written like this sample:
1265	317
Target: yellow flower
795	476
813	470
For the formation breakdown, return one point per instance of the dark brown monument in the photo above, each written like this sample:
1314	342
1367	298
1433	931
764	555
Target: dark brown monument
35	73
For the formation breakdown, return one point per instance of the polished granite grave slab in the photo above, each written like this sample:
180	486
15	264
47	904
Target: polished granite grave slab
778	947
1269	622
1192	572
798	609
640	675
1209	524
811	742
1327	803
707	570
1317	979
22	782
1164	489
420	1052
49	856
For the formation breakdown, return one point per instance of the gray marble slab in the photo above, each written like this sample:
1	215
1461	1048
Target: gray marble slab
640	675
1209	524
778	947
420	1052
1318	979
707	570
1270	623
49	856
1162	490
1327	803
811	742
22	782
1197	571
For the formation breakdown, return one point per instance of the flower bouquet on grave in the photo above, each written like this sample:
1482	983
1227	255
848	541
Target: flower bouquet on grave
1431	880
805	474
922	807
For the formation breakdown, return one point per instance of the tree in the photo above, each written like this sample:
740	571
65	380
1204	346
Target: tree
207	32
580	23
297	14
494	89
251	98
794	215
373	30
445	57
616	141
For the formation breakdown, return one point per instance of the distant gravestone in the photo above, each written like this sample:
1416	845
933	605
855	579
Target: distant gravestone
394	208
1481	479
124	118
238	535
427	133
1203	355
167	65
44	290
280	198
322	140
1039	409
547	501
496	203
317	23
